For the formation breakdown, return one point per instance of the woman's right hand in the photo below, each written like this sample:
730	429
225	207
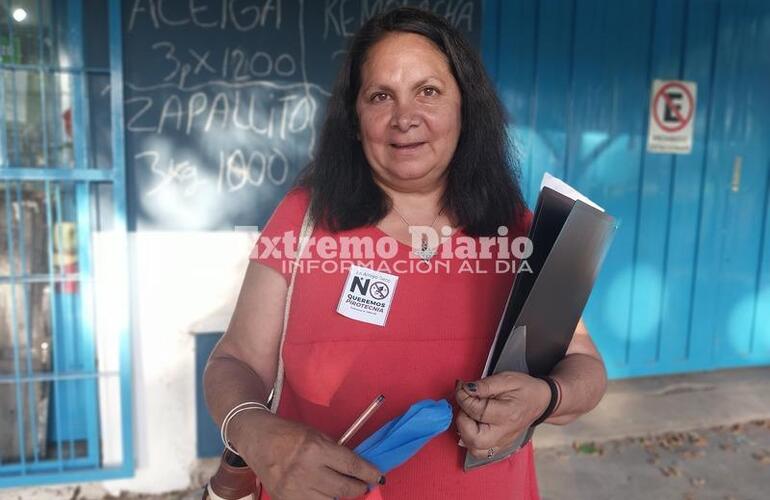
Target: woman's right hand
294	461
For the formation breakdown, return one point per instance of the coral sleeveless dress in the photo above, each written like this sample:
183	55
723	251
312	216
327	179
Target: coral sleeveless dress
439	329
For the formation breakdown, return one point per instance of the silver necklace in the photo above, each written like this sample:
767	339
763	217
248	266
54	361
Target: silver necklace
424	252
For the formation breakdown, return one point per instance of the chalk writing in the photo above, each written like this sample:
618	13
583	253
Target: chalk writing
224	99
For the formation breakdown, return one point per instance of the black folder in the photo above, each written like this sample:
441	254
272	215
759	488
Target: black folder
570	239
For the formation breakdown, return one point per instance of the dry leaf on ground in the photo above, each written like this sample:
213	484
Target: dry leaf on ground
691	454
762	457
670	471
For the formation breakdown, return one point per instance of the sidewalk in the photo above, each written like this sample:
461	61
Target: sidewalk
694	436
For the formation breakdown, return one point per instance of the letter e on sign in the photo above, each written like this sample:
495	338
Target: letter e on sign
672	113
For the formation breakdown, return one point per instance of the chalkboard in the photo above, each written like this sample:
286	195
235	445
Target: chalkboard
224	100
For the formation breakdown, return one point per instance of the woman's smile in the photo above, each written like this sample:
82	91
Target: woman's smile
406	148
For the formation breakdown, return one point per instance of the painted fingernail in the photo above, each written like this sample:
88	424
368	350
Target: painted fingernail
471	386
381	481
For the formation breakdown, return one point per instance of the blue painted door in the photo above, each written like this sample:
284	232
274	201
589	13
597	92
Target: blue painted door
738	172
686	285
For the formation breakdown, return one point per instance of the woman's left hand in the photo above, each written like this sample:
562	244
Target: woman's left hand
496	409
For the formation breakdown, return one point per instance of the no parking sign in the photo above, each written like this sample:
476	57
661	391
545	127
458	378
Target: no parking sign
672	113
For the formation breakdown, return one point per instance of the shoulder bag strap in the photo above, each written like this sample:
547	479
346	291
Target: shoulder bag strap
304	235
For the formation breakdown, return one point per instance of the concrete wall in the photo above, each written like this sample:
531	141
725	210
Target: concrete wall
182	282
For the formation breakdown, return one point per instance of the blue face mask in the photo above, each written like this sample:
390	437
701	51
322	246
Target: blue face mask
398	440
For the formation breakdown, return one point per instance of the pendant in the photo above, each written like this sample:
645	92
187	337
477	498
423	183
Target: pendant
424	252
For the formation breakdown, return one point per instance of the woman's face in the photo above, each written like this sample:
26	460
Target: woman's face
409	112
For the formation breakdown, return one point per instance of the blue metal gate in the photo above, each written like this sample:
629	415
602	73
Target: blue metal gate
65	378
686	286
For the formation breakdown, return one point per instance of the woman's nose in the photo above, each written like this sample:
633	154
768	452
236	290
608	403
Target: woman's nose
404	117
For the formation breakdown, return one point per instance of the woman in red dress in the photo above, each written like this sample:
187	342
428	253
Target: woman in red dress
414	135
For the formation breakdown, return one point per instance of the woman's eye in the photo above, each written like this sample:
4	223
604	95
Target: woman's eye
379	97
430	91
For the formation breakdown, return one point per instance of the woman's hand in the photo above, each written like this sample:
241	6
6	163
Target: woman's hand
496	409
294	461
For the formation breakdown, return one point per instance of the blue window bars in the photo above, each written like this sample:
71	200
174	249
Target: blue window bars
65	364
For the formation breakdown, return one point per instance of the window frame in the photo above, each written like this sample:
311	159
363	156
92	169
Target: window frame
84	177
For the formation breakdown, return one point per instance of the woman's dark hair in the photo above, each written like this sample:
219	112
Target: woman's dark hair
482	190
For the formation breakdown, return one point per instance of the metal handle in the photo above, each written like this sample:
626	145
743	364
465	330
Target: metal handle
737	168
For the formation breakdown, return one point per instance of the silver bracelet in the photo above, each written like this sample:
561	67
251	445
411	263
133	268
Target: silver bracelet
247	405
